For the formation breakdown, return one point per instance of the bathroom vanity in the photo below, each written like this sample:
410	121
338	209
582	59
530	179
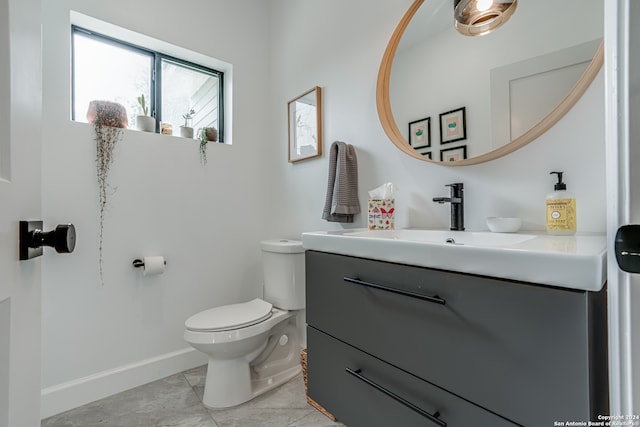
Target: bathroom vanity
397	344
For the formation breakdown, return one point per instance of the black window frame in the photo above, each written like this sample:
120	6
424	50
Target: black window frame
156	58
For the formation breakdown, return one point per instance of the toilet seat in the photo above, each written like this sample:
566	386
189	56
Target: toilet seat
229	317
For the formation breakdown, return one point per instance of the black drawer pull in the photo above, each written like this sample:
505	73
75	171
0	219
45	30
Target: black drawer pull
433	418
435	299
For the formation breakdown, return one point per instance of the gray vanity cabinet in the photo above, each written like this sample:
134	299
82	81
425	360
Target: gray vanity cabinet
392	344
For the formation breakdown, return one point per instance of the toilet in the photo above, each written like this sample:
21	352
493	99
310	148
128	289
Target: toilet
254	346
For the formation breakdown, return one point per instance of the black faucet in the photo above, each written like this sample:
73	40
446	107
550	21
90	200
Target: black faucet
457	205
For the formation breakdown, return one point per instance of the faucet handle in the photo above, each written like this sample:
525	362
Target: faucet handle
457	188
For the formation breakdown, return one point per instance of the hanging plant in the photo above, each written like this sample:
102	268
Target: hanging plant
108	119
206	135
203	146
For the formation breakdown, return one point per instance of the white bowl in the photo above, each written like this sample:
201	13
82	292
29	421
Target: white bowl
504	225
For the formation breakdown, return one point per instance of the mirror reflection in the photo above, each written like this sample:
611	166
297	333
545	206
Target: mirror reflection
305	125
506	82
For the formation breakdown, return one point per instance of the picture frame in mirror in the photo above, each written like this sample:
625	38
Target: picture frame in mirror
420	133
453	125
455	154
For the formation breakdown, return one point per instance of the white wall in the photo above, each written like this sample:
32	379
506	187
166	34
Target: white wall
206	220
338	45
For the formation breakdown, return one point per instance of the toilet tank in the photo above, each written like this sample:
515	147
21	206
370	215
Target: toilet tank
283	269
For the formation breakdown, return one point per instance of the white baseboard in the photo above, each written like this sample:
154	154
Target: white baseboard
69	395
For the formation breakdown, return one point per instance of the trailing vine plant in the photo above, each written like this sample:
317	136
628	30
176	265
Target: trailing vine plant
203	146
206	135
109	120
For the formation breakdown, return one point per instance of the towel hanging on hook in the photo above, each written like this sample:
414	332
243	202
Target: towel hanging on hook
341	203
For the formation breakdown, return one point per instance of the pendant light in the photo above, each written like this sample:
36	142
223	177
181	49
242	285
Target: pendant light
480	17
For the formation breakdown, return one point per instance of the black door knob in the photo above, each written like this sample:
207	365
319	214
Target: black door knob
62	239
32	239
627	248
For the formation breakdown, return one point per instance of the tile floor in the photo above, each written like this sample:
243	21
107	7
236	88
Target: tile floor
176	401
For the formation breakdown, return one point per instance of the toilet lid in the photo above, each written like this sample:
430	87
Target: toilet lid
232	316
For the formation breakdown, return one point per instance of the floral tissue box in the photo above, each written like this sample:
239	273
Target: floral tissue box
381	214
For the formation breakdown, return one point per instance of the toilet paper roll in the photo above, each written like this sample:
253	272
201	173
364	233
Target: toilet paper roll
153	265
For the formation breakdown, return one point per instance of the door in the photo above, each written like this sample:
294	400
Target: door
20	183
622	75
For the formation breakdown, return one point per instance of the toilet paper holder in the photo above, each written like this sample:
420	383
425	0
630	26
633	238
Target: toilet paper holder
140	263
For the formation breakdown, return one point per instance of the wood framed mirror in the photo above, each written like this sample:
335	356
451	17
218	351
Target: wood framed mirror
305	125
499	138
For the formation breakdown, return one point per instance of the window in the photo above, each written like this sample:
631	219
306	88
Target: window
108	69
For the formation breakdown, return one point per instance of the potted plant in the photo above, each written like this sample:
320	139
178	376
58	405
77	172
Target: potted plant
109	120
186	131
144	122
206	135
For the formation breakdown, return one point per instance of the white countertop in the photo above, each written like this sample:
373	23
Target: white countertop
574	262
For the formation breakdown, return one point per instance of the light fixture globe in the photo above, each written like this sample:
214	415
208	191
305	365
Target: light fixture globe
478	17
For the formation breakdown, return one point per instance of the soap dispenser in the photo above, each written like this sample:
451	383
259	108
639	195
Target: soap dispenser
561	209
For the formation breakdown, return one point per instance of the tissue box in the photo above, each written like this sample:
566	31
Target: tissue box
381	213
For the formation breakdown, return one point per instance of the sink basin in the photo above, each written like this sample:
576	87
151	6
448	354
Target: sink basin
481	238
575	262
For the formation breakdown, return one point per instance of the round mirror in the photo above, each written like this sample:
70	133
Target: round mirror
446	97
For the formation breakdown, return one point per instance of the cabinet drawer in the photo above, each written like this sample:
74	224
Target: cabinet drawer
508	346
362	397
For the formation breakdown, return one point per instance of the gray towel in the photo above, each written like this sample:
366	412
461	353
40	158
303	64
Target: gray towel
342	186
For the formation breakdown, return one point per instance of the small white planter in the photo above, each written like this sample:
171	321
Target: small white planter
186	132
146	123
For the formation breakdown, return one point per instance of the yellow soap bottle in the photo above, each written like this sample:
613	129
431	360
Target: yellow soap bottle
561	209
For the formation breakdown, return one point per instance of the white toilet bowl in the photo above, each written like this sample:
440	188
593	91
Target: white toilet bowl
252	348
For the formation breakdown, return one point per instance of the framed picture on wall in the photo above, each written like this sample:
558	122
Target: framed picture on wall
305	125
420	133
453	154
453	126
